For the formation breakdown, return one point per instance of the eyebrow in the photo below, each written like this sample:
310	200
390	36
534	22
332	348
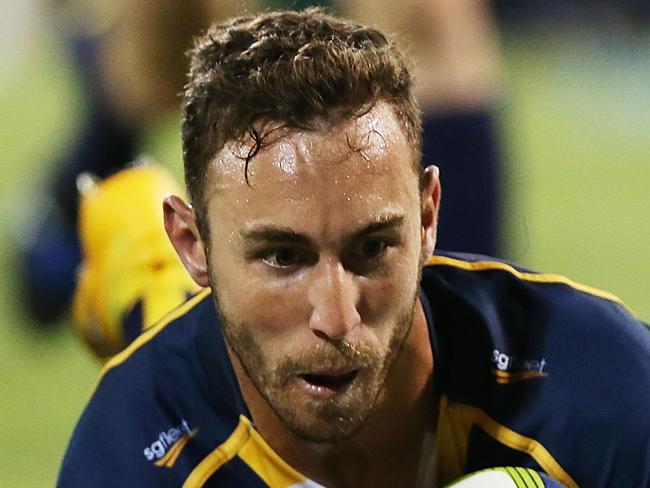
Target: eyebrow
266	233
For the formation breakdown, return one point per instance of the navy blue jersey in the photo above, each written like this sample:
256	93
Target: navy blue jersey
532	370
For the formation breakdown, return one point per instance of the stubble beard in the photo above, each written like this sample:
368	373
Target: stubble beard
315	419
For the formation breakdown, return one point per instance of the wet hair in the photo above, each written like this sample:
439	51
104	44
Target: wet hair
293	69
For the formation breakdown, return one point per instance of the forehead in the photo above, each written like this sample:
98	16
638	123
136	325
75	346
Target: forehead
356	161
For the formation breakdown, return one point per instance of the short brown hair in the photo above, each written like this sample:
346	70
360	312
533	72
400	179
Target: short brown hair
292	68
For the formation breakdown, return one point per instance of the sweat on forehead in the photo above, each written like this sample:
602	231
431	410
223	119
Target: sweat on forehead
365	139
290	67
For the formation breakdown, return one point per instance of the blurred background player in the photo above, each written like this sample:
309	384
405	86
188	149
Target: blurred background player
457	69
132	67
130	276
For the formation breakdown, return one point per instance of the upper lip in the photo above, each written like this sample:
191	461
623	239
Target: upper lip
330	372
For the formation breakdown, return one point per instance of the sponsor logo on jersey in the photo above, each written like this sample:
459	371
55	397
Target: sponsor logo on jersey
166	448
508	368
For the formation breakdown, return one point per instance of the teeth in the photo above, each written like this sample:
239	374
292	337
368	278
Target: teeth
323	383
317	388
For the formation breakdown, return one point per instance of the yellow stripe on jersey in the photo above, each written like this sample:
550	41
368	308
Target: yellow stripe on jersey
454	425
525	276
151	332
505	377
169	459
248	444
267	464
220	456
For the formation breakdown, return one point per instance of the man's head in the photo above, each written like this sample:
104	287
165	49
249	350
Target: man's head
314	217
293	69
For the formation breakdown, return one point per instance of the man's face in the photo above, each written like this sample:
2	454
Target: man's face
315	266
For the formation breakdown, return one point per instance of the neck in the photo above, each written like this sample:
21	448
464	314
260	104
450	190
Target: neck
388	449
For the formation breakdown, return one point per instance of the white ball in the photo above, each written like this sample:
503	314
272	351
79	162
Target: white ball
500	478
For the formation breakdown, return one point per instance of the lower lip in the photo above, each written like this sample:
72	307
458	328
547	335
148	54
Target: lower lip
329	389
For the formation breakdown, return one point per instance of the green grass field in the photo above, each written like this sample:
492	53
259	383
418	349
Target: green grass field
575	130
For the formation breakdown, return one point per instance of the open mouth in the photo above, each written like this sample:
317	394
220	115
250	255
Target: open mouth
325	384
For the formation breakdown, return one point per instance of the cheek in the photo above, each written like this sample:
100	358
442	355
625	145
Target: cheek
386	299
274	310
282	306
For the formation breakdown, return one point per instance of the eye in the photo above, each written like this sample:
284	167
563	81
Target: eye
369	249
370	255
283	258
373	248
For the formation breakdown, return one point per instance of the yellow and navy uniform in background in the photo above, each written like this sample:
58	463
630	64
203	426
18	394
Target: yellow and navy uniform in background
130	275
532	370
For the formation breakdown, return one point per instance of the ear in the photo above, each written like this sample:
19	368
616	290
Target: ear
430	198
180	224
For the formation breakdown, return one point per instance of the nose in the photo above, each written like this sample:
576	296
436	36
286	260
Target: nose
333	296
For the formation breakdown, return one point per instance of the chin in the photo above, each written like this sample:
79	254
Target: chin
330	419
325	430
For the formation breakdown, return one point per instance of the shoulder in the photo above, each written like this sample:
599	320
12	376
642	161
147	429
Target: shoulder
142	404
504	294
548	359
497	275
174	328
518	311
